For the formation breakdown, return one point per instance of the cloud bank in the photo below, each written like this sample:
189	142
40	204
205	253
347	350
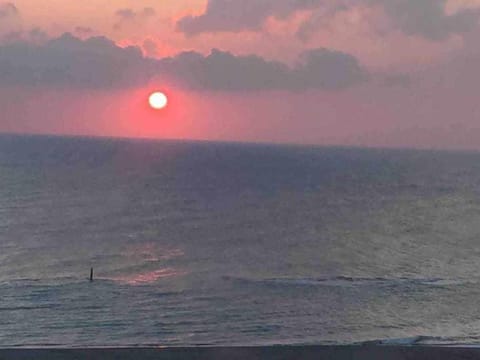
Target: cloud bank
428	18
234	15
70	62
98	63
425	18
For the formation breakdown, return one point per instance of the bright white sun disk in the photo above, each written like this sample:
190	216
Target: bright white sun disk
158	100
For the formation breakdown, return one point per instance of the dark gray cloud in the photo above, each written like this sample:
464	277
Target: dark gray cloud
426	18
224	71
235	15
317	69
323	68
98	63
71	63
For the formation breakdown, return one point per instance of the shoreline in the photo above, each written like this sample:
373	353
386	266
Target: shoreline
358	352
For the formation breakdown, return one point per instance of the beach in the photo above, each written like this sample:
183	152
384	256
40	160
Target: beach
360	352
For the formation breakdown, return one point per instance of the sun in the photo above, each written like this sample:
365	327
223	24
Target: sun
158	100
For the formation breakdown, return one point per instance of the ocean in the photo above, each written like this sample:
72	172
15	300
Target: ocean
199	243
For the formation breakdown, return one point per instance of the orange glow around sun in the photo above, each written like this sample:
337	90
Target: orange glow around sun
158	100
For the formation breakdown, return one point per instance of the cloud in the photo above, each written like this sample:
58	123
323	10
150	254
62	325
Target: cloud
11	37
69	62
428	18
128	15
150	48
10	20
8	10
32	36
83	30
234	15
222	71
148	12
37	35
425	18
323	68
98	63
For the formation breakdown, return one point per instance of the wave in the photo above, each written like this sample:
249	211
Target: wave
423	340
412	340
23	308
56	280
344	281
130	278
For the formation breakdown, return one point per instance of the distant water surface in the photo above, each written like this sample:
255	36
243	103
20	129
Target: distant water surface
235	244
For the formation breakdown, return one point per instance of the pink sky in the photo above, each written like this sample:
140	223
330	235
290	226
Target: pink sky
346	72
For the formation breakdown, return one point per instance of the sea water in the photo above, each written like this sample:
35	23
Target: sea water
235	244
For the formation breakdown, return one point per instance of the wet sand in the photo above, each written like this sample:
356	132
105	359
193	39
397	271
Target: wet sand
367	352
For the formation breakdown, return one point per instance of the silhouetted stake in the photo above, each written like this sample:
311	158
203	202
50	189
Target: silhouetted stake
91	274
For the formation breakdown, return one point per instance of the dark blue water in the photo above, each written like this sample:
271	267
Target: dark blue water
235	244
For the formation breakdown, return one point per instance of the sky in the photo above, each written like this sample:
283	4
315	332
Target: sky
388	73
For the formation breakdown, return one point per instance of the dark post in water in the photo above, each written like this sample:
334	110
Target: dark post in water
91	274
